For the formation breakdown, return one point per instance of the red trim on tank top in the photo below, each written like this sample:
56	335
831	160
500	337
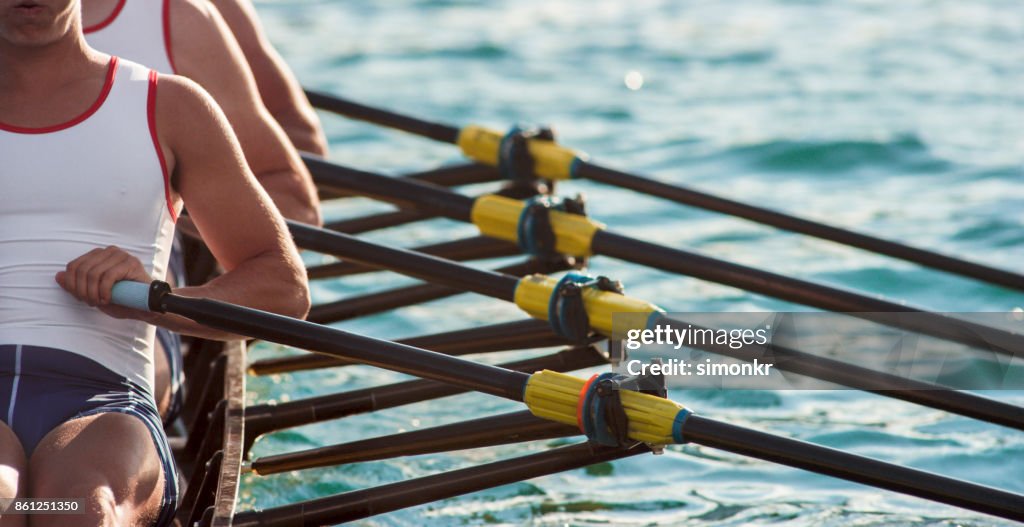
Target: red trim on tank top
167	35
107	84
107	21
151	117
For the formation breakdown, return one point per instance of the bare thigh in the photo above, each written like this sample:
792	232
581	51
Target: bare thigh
109	461
12	473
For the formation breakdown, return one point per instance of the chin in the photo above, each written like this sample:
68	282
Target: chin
33	23
30	35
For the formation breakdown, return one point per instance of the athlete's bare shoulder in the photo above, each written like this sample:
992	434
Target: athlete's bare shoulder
195	24
191	11
190	125
181	94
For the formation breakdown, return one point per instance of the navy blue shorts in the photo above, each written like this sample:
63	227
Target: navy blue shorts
41	388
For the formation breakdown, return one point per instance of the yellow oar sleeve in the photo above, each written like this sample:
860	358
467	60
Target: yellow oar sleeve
551	160
653	420
498	217
533	295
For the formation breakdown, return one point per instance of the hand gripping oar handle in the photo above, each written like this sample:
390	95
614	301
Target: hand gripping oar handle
137	295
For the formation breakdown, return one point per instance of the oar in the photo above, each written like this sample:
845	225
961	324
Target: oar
372	501
446	177
577	235
475	248
533	295
521	334
556	396
556	162
515	427
378	302
264	418
449	176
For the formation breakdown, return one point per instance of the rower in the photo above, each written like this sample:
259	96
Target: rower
99	157
189	38
280	90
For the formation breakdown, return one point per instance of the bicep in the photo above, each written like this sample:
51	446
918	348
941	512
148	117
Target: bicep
276	84
211	56
233	213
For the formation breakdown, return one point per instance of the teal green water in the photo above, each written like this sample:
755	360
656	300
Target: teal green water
897	118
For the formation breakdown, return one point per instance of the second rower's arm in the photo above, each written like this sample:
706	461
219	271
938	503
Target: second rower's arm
205	51
277	85
234	215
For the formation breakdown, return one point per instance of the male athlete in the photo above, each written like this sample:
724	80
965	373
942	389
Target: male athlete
97	157
189	38
281	92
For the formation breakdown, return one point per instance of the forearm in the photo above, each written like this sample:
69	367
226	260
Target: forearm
266	283
294	195
302	130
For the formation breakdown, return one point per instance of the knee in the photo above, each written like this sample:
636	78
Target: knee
107	460
102	502
98	503
12	463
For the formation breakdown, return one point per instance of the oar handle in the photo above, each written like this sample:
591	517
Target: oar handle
138	295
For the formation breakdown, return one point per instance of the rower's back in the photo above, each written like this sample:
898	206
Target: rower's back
137	30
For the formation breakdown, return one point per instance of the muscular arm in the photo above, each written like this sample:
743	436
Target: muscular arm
205	51
234	215
281	92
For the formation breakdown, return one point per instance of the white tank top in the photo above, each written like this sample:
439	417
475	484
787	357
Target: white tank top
97	180
137	30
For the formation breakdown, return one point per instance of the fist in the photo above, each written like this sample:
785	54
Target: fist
91	277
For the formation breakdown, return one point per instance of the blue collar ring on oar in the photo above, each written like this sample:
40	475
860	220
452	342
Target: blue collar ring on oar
553	161
559	397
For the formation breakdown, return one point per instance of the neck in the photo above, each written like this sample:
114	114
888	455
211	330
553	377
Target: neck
98	11
52	64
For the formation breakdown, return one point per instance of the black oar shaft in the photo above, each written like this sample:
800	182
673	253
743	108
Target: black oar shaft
449	176
402	217
388	355
708	432
687	196
386	498
458	175
411	194
807	293
373	222
263	418
413	264
857	377
832	462
516	427
520	334
381	301
473	248
510	385
695	198
459	207
332	103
